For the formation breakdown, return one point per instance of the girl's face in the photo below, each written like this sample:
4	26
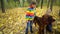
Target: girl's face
33	6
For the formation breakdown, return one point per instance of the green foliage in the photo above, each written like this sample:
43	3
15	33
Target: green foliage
26	4
21	3
57	2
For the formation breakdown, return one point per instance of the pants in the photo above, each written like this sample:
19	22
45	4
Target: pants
49	27
29	25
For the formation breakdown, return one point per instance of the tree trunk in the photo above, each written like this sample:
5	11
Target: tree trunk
23	2
15	2
48	3
41	4
2	6
38	1
51	6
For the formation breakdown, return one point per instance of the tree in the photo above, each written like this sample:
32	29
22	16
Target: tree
16	2
29	1
51	5
38	1
8	0
2	6
41	3
23	2
48	3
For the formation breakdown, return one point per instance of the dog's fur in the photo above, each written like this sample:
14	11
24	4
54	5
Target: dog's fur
43	22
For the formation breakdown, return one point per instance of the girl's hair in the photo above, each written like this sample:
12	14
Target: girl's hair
34	3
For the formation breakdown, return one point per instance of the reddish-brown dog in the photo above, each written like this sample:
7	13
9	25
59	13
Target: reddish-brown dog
43	22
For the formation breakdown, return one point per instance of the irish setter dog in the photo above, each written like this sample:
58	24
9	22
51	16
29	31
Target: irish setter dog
43	22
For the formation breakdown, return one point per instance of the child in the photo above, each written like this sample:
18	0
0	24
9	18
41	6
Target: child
30	13
50	20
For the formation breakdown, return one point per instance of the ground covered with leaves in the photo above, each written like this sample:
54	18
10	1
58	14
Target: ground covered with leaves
13	20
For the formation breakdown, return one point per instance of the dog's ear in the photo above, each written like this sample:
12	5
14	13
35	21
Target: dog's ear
35	16
51	19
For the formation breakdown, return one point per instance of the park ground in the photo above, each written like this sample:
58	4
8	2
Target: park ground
15	22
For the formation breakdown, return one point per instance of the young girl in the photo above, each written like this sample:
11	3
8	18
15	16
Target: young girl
30	13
